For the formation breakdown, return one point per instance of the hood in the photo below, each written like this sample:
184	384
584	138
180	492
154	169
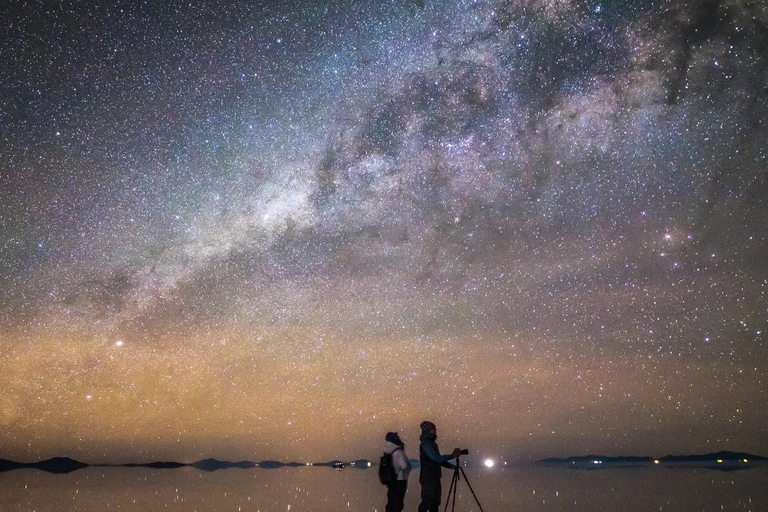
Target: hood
390	447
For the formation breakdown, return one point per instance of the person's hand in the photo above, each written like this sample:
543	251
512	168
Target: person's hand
456	452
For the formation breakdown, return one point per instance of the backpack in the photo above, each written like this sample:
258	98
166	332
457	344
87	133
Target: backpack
387	473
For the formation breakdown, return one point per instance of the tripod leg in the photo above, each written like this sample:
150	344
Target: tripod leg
473	491
452	489
456	487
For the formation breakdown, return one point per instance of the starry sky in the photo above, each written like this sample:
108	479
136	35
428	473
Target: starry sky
278	230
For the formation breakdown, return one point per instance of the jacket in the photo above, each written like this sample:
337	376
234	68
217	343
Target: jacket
431	460
399	460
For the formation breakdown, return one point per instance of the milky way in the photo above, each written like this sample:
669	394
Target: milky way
262	230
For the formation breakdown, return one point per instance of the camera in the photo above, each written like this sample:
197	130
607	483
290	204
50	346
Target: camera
464	452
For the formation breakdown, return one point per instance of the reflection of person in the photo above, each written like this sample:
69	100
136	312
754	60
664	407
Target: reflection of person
431	462
396	490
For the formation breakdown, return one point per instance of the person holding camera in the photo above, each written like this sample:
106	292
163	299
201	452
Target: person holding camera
431	464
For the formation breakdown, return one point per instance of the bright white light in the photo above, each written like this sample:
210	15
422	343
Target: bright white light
119	343
489	463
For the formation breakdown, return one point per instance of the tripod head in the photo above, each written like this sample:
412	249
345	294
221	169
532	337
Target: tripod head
458	451
461	452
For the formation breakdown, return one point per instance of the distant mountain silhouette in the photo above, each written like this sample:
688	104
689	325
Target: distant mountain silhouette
360	463
713	457
7	465
54	465
723	461
330	464
214	464
596	458
67	465
156	465
270	464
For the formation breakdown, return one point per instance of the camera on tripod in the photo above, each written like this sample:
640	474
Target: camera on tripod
464	452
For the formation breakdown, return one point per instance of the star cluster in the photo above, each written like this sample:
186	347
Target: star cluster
285	228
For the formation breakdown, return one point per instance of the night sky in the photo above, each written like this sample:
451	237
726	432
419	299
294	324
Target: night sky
273	230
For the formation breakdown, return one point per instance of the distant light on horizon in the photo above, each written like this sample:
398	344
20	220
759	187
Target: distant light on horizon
489	463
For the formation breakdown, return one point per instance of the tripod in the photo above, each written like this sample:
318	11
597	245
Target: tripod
455	486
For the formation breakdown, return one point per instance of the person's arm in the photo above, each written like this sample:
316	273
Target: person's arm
454	455
408	467
432	453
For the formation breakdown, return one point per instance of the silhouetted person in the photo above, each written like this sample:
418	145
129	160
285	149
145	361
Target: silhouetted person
396	490
431	472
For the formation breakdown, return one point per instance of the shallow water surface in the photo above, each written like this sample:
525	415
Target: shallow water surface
315	489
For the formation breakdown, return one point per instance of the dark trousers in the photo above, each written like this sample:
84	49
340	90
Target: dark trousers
396	496
430	495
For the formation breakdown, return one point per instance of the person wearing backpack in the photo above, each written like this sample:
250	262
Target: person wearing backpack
394	469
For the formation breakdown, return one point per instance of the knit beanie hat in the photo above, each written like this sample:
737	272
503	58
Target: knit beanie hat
392	437
426	426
